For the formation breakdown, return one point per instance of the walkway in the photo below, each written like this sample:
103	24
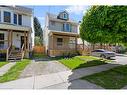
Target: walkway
61	80
6	67
43	68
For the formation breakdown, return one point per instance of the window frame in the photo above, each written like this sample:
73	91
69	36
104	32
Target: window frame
19	19
53	23
60	43
65	27
7	17
15	18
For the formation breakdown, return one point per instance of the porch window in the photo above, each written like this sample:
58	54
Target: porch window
59	41
7	17
1	40
15	18
72	42
19	19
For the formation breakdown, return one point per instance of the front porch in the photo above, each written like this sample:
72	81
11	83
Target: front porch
61	43
15	42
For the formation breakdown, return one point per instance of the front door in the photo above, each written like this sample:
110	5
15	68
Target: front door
22	41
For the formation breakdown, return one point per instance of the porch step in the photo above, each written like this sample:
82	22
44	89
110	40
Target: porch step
15	55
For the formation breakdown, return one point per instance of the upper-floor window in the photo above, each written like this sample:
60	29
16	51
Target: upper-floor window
19	19
15	18
7	17
64	15
53	23
67	27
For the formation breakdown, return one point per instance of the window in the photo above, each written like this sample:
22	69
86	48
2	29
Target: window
1	40
59	41
65	16
53	23
19	19
7	17
0	16
72	42
15	18
67	27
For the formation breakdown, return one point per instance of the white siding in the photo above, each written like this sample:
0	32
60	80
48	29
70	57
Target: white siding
58	26
17	39
26	20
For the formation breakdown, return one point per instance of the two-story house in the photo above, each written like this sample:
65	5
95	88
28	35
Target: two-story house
16	31
60	34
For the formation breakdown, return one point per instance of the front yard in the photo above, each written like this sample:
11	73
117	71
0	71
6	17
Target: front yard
3	63
14	72
82	61
115	78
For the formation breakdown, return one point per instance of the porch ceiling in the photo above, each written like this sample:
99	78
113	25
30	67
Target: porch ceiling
14	27
60	33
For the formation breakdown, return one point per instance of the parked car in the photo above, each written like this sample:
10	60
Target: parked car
103	53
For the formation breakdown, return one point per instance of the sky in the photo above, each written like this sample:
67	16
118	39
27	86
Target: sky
75	12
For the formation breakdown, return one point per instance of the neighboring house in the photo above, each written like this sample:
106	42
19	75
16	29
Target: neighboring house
60	34
16	31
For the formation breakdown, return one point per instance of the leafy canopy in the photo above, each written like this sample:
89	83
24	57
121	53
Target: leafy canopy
105	24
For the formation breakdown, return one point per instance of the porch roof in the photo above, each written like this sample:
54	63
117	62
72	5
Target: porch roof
14	27
60	33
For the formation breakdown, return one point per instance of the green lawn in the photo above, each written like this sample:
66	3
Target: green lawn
115	78
3	63
15	71
37	55
82	61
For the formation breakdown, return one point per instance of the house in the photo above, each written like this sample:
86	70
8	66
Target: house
60	34
16	31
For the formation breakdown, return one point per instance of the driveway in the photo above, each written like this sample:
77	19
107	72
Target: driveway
43	68
121	59
53	75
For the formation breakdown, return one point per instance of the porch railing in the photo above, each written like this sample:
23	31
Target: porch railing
8	52
22	51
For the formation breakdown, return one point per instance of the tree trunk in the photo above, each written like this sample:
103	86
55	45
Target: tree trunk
93	46
101	45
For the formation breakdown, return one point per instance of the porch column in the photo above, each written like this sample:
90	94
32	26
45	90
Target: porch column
52	46
76	43
25	40
9	37
28	40
52	42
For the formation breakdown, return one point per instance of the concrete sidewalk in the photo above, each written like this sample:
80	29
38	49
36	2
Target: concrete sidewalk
61	80
6	67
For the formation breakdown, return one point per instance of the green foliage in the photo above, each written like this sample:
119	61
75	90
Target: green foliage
115	78
14	72
82	62
3	63
38	41
105	24
37	27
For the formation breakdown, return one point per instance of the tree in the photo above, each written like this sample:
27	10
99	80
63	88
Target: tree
104	24
38	31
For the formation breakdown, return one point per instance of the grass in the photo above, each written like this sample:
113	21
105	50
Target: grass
14	72
81	62
115	78
3	63
37	55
